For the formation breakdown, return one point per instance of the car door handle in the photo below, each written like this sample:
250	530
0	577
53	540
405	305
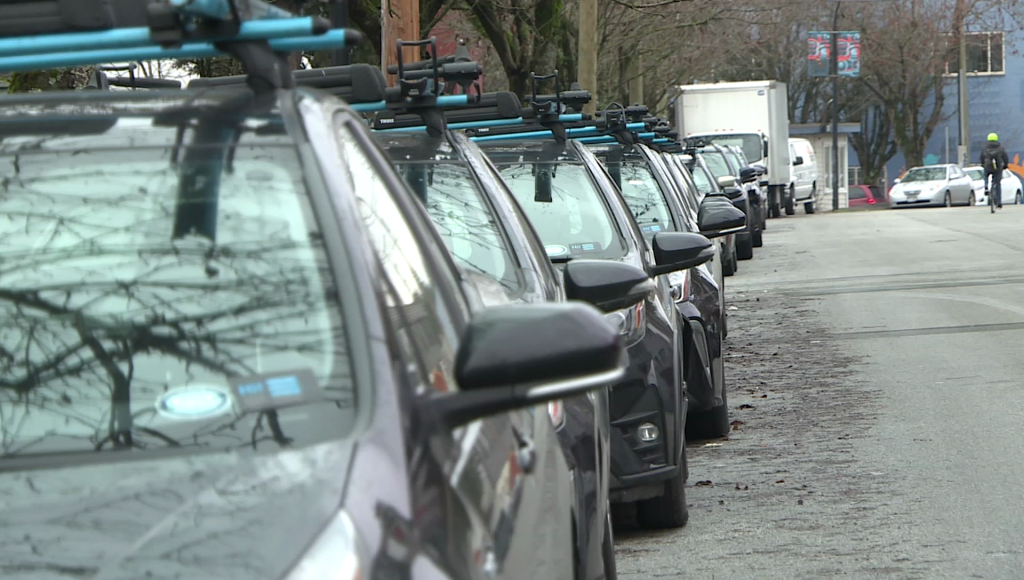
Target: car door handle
527	452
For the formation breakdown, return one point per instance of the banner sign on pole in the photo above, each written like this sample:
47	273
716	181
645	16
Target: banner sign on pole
848	52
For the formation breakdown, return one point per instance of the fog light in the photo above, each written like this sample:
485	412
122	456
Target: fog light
647	432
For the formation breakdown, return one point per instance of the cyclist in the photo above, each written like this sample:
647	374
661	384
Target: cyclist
994	160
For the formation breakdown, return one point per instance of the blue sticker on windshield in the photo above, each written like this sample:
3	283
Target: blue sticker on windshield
585	247
651	228
275	390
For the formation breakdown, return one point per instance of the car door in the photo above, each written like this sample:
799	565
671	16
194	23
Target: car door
487	464
960	185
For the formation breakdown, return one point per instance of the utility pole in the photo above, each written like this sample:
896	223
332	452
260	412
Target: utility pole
400	20
339	19
964	150
833	57
587	55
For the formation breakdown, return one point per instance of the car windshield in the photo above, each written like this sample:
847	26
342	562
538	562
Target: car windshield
716	164
976	174
645	199
733	158
457	206
702	179
139	313
556	192
750	143
925	174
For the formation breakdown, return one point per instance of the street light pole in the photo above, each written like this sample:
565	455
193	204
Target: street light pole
834	66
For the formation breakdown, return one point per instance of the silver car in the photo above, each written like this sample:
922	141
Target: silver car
945	184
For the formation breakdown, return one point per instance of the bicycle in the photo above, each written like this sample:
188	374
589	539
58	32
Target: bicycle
992	201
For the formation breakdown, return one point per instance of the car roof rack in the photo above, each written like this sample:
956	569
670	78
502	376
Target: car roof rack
46	34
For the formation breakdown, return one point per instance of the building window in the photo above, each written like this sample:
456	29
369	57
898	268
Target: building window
984	54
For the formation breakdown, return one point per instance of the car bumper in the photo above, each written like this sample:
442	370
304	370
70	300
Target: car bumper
937	197
647	395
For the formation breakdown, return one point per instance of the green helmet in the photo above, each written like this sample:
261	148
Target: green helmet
993	137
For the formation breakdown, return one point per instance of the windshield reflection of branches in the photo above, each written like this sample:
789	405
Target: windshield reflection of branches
644	198
466	223
103	312
576	214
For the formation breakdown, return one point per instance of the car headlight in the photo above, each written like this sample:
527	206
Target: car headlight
680	282
631	323
335	555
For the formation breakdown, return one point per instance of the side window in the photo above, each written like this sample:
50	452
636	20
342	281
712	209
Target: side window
792	153
857	193
416	302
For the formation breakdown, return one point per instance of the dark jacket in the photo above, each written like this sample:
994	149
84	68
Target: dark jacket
993	157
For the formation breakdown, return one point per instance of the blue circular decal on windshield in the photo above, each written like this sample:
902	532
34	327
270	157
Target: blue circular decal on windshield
194	402
554	250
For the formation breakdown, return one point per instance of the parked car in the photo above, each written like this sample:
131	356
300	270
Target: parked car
944	184
654	192
578	212
727	178
254	357
866	195
749	179
804	185
498	251
1010	183
705	183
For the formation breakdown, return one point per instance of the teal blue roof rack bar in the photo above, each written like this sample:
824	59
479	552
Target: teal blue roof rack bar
252	31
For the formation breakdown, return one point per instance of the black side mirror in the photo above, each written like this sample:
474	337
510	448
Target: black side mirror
748	175
607	285
798	161
675	251
717	217
523	355
733	192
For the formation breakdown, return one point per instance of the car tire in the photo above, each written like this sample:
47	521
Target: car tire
669	510
1017	199
949	200
791	201
811	206
757	239
971	200
728	266
608	549
745	248
710	424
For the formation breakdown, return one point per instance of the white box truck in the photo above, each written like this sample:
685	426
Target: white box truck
753	115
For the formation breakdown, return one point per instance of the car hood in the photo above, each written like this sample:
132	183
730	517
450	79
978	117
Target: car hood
220	516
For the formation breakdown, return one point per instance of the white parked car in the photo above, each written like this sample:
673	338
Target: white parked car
945	184
1012	187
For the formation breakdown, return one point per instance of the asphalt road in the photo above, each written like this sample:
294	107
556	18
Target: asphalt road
876	380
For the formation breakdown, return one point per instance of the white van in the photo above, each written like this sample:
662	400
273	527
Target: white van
803	187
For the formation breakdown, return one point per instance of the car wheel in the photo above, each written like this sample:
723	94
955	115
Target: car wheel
949	199
791	202
710	424
810	206
745	248
757	239
608	549
970	200
728	265
669	510
1017	199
